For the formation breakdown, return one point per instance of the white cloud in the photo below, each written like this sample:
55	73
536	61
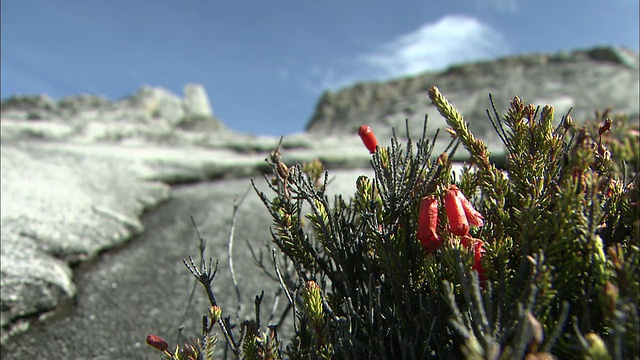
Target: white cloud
433	46
452	39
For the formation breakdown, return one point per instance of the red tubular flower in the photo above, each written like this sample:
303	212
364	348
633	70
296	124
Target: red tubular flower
478	250
428	223
458	223
473	216
157	342
368	138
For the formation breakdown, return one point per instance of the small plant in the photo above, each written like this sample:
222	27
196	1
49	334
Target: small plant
537	260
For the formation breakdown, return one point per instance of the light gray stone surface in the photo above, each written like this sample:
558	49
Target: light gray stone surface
59	208
144	287
63	203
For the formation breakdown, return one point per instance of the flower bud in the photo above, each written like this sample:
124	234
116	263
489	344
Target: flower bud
458	223
282	169
157	342
568	122
609	297
428	223
537	332
368	138
215	313
478	249
597	348
529	111
605	127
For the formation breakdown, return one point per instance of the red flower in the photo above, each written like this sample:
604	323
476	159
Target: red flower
157	342
368	138
428	223
458	223
473	216
478	250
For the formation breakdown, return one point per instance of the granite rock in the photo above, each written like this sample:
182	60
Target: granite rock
59	208
144	288
584	80
152	114
196	102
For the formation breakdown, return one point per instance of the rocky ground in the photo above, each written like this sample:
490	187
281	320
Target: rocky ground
143	286
66	206
97	197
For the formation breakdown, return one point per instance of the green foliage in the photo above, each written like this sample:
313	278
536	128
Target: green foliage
558	253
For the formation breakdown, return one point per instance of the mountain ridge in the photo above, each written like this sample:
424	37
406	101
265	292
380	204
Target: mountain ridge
584	80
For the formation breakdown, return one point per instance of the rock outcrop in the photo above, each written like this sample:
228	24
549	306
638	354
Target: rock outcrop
153	114
583	80
196	102
60	208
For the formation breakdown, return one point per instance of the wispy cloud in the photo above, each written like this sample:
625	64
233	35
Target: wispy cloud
452	39
433	46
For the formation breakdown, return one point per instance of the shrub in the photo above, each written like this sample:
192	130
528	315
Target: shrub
537	260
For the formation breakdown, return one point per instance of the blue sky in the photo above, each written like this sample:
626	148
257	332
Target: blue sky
265	63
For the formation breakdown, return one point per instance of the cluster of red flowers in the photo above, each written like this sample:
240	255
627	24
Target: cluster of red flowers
460	214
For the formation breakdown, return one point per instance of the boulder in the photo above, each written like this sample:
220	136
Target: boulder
157	103
196	101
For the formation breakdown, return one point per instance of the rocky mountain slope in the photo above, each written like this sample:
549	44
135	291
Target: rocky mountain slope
584	80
